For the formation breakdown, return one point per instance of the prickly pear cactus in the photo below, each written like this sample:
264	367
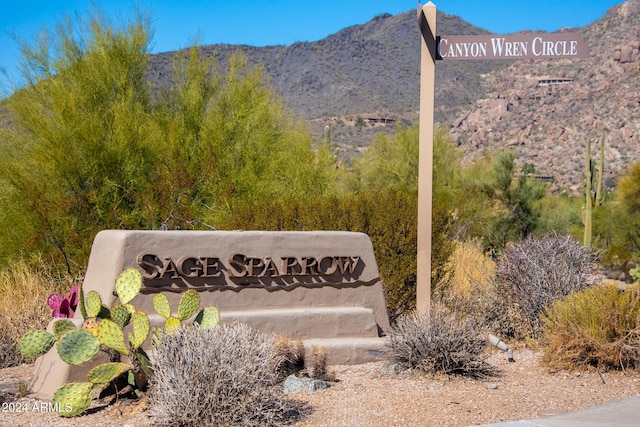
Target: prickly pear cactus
130	308
36	343
91	325
64	306
120	315
61	327
128	285
189	304
141	329
171	325
77	347
73	399
208	317
111	335
107	372
93	303
161	305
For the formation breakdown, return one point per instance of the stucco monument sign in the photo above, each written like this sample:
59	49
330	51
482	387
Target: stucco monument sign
322	287
513	46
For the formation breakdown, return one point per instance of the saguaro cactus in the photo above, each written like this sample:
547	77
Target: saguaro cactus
592	199
327	136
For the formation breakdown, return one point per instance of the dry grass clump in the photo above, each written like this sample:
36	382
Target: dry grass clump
471	271
219	376
290	356
295	359
23	306
469	287
599	327
535	272
440	343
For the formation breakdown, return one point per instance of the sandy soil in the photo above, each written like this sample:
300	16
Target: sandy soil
372	395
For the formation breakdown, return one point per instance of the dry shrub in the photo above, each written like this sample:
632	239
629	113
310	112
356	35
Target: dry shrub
440	342
218	376
290	356
599	327
315	362
471	271
534	273
24	288
294	358
469	286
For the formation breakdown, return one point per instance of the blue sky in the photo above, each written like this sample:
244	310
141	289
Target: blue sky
177	23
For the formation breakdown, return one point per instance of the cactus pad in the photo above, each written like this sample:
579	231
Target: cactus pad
92	324
161	305
77	347
120	315
107	372
189	304
110	334
171	325
130	308
73	399
208	317
128	285
93	303
141	328
61	327
36	343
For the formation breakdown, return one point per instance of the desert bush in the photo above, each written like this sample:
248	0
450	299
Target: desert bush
470	290
440	342
599	326
293	358
469	279
537	271
24	287
290	356
220	376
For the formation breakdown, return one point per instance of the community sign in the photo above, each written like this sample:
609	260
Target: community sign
513	46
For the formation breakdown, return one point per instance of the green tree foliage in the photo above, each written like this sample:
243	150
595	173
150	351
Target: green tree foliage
391	162
92	146
626	205
511	199
77	155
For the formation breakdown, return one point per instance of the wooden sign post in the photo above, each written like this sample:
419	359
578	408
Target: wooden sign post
516	46
427	23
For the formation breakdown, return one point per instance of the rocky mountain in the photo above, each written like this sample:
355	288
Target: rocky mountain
365	78
547	110
365	71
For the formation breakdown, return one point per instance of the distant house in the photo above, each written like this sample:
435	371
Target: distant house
385	120
553	81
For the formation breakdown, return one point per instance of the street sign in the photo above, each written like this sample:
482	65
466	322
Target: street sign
513	46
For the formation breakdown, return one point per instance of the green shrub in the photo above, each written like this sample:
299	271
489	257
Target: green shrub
220	376
440	342
599	326
387	217
537	271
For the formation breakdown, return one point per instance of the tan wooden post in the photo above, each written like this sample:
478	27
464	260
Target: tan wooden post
427	24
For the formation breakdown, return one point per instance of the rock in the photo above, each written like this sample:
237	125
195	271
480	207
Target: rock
294	384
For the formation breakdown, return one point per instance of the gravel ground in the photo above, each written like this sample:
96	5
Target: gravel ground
371	395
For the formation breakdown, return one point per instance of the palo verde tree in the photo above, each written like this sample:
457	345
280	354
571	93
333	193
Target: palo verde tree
77	153
91	145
